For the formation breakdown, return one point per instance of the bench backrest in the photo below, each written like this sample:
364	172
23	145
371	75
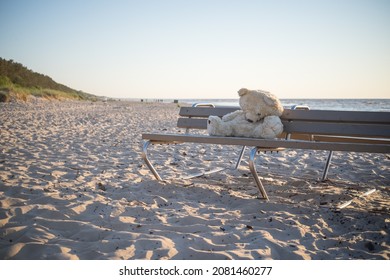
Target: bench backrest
315	122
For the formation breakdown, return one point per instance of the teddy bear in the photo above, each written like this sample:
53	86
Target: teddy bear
259	117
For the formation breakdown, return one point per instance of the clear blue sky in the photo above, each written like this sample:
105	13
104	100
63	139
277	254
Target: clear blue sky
204	49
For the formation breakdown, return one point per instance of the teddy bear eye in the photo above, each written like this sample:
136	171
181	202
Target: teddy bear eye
259	114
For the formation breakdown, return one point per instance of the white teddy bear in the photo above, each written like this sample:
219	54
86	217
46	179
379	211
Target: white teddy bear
259	117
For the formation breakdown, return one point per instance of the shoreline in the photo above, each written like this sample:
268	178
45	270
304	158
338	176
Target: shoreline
73	186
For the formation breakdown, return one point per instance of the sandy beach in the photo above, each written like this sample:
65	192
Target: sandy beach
73	186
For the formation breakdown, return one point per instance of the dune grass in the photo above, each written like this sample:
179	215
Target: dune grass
10	91
17	82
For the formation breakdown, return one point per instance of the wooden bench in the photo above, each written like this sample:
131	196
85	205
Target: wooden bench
347	131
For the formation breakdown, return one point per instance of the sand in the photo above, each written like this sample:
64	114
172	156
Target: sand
73	186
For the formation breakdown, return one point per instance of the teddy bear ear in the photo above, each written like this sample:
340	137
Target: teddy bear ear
270	100
242	91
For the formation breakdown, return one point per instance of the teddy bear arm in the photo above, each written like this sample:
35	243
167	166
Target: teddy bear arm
217	127
231	116
272	127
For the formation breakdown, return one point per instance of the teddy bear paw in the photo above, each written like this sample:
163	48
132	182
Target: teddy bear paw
272	127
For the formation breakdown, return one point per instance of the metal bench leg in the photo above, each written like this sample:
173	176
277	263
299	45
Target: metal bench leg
147	161
254	173
240	157
326	169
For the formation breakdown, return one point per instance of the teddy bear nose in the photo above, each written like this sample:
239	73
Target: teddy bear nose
249	120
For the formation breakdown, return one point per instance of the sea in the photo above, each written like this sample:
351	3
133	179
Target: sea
379	105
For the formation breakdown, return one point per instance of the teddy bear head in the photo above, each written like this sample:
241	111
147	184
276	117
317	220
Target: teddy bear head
258	104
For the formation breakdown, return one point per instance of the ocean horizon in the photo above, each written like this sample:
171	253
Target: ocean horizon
380	105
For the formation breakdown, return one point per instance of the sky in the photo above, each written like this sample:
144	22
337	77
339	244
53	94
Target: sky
203	49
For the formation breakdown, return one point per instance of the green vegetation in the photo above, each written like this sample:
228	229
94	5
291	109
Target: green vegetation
18	82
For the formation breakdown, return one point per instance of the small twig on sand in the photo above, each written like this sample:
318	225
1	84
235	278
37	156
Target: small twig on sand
345	204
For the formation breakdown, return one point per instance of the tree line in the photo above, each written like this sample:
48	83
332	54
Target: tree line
20	75
14	73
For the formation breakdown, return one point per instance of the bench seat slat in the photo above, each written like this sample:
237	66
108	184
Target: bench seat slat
337	116
192	123
206	111
350	129
347	139
288	114
269	143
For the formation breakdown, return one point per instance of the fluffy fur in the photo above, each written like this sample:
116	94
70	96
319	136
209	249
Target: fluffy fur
259	117
257	104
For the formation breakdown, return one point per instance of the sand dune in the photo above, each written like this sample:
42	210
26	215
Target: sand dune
73	186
